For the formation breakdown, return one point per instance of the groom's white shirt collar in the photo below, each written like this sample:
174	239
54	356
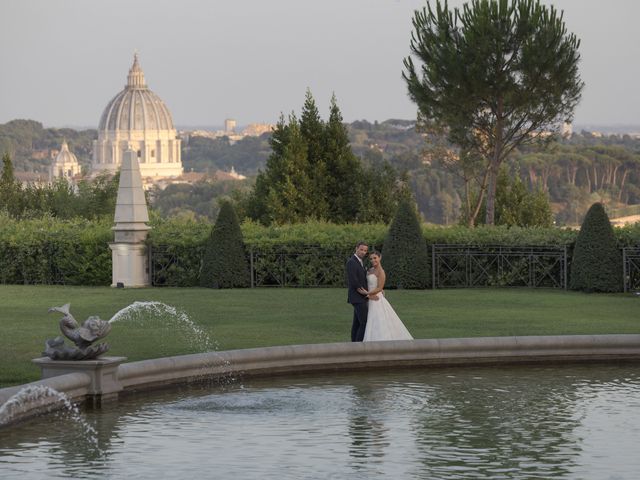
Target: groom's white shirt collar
359	259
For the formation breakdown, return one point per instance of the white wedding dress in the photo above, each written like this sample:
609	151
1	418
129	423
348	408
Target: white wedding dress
382	321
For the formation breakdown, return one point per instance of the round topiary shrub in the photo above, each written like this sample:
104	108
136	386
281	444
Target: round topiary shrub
597	262
405	257
225	262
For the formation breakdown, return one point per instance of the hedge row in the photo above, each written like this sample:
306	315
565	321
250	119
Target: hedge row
50	251
75	252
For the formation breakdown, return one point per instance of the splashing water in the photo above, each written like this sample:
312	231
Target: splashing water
39	393
140	312
166	315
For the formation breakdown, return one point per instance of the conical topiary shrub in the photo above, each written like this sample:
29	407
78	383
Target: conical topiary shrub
405	258
225	261
597	262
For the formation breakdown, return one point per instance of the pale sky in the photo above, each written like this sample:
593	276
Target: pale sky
61	61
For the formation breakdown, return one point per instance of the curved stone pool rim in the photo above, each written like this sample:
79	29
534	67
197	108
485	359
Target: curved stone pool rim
81	386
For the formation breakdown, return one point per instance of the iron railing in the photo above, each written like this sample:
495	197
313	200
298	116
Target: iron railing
452	266
509	266
313	267
631	268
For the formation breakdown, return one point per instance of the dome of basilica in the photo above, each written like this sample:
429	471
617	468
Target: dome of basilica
136	107
137	119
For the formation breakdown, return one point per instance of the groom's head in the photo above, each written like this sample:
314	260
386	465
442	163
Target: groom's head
361	249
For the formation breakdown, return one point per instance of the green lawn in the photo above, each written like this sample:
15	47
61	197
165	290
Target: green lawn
246	318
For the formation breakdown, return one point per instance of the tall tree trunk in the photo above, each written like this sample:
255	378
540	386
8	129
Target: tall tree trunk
588	176
467	195
491	194
532	177
622	182
474	211
546	173
473	216
494	166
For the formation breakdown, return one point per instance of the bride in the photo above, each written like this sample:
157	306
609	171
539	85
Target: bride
382	322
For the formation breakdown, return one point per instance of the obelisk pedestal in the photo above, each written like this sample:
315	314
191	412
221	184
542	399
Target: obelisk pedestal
129	251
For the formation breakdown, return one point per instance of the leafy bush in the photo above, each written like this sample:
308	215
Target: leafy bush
51	251
225	261
75	252
406	260
597	262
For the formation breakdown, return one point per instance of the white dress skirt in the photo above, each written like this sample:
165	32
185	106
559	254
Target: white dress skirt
382	321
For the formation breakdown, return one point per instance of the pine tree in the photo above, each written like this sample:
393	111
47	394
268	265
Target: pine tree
225	262
312	173
257	203
345	184
283	192
597	262
493	75
312	131
405	256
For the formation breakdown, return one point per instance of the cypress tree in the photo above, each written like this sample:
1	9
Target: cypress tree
597	262
10	188
225	262
405	256
7	177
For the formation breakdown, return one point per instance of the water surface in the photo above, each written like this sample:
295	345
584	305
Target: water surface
571	422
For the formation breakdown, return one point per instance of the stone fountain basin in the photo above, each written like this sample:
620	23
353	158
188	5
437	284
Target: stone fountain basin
101	380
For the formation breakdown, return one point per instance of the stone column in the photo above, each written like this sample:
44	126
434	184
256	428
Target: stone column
129	252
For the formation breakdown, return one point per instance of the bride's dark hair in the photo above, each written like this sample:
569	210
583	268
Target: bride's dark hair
375	252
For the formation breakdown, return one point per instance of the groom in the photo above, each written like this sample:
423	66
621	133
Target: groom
357	294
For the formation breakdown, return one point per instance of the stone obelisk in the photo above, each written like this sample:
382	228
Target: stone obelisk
128	250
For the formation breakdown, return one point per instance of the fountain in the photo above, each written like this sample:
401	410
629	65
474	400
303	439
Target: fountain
454	407
51	400
83	336
140	312
546	421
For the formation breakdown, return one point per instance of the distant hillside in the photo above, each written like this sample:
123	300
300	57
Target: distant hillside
574	173
30	145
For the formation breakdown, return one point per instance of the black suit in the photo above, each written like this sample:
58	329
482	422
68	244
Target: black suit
357	278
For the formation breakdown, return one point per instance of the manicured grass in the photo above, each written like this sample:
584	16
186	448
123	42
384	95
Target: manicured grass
245	318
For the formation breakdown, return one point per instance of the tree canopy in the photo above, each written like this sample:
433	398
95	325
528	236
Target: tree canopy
312	173
492	75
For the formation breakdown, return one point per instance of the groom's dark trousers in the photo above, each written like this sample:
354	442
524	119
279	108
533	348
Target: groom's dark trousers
357	278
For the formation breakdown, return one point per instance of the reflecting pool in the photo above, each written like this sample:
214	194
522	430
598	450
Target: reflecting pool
573	422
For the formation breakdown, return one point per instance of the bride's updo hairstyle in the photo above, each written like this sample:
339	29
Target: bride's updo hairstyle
376	253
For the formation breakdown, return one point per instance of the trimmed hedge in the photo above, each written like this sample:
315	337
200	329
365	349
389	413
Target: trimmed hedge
405	257
225	260
597	261
75	252
50	251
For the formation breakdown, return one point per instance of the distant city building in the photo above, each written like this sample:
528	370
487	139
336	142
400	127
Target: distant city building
64	165
257	129
230	125
566	130
230	175
195	177
137	119
251	130
38	179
